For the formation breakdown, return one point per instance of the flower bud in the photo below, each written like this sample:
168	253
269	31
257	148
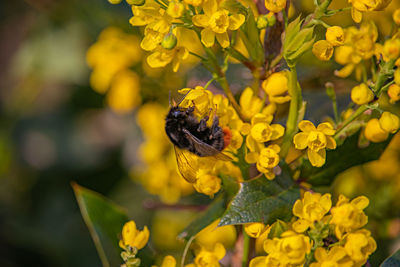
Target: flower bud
394	93
262	22
136	2
361	94
169	41
275	5
114	2
335	35
374	132
389	122
271	19
323	50
396	16
391	48
276	84
175	9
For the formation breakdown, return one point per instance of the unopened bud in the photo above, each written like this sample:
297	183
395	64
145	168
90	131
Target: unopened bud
262	22
169	41
330	91
271	19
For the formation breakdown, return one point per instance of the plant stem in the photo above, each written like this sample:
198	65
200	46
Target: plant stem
353	116
295	102
246	245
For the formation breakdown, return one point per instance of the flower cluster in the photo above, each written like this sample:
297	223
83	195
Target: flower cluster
320	238
111	58
131	241
323	49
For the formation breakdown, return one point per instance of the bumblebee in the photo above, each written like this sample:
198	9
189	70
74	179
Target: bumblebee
188	134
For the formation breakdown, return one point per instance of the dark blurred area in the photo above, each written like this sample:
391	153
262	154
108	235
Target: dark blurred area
54	129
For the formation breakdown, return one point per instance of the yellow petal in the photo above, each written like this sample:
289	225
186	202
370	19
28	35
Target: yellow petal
326	128
200	20
306	126
356	15
300	140
326	201
317	159
219	251
168	261
298	208
223	39
301	225
360	202
277	131
210	7
258	262
235	21
330	142
320	254
345	71
207	37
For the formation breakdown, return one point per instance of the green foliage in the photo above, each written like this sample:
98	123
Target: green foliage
251	39
104	220
262	200
392	261
347	155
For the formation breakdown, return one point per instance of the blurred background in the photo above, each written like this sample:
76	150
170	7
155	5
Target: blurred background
79	103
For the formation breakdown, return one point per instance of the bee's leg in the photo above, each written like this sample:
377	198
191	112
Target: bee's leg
203	124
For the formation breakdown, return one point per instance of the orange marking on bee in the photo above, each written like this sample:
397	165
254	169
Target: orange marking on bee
227	136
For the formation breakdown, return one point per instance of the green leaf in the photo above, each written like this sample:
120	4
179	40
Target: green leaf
234	7
261	200
250	36
347	155
392	261
213	212
277	228
104	220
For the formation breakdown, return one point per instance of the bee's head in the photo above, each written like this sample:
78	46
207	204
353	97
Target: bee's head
177	113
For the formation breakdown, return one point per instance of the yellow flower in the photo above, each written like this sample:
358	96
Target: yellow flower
275	5
396	16
359	6
359	245
175	9
161	57
250	103
323	50
394	93
210	258
391	49
145	14
336	256
198	97
361	94
290	248
268	160
216	22
255	230
153	35
335	35
114	2
124	92
212	234
389	122
316	140
206	183
312	208
348	216
276	86
359	44
262	131
131	236
374	132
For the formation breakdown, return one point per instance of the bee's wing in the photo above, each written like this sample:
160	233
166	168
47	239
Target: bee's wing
205	149
185	161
